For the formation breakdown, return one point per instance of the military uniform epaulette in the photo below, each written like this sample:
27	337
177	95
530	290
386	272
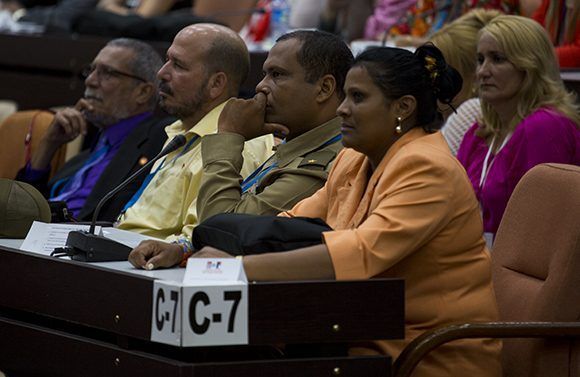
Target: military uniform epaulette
318	160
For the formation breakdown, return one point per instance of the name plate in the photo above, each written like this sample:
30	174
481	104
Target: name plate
209	308
215	315
166	315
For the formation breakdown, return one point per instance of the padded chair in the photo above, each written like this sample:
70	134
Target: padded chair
536	275
20	136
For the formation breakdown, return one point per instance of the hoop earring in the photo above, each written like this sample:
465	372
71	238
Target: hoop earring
399	127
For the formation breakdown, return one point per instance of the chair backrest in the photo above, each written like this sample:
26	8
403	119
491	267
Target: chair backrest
20	136
536	268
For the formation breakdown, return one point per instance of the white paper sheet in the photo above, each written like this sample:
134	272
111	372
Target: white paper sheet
125	237
43	238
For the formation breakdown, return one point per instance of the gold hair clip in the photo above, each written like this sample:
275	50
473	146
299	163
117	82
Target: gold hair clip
431	66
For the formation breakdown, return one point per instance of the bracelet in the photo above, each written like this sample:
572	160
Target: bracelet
186	248
184	259
186	245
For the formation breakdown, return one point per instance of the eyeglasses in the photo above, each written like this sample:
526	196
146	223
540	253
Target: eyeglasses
106	73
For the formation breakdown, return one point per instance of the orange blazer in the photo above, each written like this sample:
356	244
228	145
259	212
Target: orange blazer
416	218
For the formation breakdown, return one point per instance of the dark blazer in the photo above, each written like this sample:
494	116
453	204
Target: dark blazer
146	140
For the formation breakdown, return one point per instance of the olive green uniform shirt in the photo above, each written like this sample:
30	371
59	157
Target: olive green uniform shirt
301	168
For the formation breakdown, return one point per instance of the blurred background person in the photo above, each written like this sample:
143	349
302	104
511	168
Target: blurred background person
528	116
458	43
53	16
231	13
411	23
346	17
160	20
143	8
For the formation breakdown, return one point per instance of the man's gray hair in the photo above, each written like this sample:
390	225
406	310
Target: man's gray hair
146	63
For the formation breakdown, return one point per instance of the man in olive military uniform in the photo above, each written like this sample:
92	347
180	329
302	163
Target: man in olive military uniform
302	88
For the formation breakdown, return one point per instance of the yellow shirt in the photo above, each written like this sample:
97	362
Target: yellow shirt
167	207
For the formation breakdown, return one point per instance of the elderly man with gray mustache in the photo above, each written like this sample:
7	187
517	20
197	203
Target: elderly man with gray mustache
119	99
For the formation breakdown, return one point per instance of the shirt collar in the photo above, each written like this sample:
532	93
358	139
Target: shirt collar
411	135
206	126
308	141
354	169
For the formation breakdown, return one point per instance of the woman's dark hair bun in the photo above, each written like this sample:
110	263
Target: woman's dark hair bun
445	80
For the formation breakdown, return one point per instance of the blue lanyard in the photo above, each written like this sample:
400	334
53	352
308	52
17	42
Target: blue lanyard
257	175
184	151
150	176
260	172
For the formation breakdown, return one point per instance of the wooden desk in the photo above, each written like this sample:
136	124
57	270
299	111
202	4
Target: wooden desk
67	318
44	71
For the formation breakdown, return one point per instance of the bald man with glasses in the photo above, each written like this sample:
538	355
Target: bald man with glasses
119	99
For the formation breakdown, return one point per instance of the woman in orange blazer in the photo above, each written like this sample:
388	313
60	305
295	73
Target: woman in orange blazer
401	206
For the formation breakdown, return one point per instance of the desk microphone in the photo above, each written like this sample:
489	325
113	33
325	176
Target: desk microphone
89	247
